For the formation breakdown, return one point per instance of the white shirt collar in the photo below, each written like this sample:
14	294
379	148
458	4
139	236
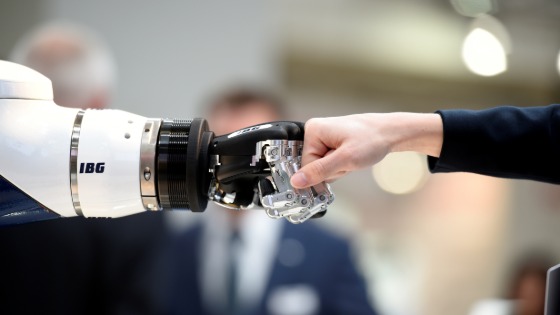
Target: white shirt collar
259	237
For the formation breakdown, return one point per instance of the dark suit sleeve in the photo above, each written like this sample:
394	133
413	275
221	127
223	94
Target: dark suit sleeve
348	293
507	141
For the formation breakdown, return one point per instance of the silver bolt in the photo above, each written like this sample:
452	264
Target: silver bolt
147	173
274	151
289	196
322	197
304	202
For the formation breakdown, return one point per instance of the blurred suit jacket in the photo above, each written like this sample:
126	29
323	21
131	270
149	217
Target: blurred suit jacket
83	266
311	273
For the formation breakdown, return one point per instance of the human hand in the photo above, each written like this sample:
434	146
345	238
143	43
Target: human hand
337	145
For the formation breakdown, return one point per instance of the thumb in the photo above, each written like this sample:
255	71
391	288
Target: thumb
317	171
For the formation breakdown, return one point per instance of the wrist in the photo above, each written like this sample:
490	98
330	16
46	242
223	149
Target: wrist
422	133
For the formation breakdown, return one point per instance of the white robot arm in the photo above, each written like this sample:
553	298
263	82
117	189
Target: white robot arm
111	163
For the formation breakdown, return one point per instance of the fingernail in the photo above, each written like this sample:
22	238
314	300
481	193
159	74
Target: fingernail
299	180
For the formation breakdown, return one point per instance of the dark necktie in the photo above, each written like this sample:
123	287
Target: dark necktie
233	276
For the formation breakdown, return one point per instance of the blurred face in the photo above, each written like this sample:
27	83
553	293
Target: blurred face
227	120
531	294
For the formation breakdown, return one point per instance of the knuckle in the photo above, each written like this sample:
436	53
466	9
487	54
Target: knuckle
313	124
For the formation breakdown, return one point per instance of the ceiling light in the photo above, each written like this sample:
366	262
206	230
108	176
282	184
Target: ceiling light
483	53
558	63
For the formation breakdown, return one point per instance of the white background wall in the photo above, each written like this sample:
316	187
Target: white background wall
172	54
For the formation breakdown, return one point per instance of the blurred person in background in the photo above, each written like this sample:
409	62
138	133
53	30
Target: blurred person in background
526	291
528	285
77	61
78	265
236	262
